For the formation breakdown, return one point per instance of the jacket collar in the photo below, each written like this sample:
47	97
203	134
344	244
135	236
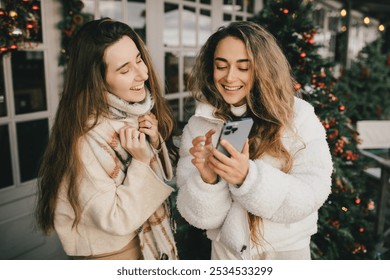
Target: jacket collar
205	110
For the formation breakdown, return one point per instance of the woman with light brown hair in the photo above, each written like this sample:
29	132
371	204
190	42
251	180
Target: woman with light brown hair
261	202
102	183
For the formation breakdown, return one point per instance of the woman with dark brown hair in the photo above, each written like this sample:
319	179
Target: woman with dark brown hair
102	183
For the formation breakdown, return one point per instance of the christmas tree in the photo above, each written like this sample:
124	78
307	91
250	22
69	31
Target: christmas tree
346	220
366	85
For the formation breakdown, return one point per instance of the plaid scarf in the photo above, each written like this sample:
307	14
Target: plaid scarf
156	237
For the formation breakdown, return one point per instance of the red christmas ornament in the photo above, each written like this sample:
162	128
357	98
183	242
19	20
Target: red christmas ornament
341	108
357	200
361	229
303	55
297	86
333	135
336	224
285	11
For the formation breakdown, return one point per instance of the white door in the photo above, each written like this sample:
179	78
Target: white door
28	97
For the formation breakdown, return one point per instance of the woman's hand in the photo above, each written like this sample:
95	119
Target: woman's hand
232	169
201	150
148	124
135	143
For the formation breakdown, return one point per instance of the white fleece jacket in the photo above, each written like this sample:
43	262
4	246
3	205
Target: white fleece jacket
287	203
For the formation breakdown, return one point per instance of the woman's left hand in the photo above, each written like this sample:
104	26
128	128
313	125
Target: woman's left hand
232	169
148	124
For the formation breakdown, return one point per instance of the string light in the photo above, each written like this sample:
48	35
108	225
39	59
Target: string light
381	27
366	20
343	12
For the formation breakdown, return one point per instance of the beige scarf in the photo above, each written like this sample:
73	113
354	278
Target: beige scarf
156	237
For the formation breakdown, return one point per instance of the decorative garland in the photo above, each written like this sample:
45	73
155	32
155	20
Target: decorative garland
73	19
19	24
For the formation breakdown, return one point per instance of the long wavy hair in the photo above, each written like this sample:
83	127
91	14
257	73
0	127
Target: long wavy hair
270	102
84	99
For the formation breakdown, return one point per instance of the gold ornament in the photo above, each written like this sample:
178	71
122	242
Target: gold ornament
13	14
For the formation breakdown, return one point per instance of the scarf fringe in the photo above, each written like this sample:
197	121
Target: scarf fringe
156	237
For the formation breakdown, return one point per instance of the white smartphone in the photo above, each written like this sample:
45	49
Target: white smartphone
236	132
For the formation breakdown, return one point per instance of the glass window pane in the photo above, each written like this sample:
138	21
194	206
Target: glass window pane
6	177
3	105
174	103
32	140
136	10
227	18
189	61
250	8
239	5
28	75
171	73
228	6
171	25
189	27
111	9
189	108
89	7
208	2
204	26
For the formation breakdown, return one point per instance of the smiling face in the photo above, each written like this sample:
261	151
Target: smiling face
232	71
126	71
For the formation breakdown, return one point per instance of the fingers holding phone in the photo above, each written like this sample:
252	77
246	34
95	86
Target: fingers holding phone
232	169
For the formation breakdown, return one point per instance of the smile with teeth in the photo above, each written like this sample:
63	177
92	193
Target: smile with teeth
232	88
137	88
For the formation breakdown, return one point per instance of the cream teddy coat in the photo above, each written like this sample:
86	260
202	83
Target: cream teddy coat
287	203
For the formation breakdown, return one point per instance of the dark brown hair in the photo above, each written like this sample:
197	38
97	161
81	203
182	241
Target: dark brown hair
84	99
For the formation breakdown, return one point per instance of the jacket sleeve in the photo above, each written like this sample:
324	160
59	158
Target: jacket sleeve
203	205
289	197
119	209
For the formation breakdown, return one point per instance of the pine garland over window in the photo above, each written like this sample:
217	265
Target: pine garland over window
19	25
73	19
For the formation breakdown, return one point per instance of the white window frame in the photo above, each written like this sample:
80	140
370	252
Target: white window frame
51	50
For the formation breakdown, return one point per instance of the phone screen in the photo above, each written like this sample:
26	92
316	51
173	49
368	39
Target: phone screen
236	132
